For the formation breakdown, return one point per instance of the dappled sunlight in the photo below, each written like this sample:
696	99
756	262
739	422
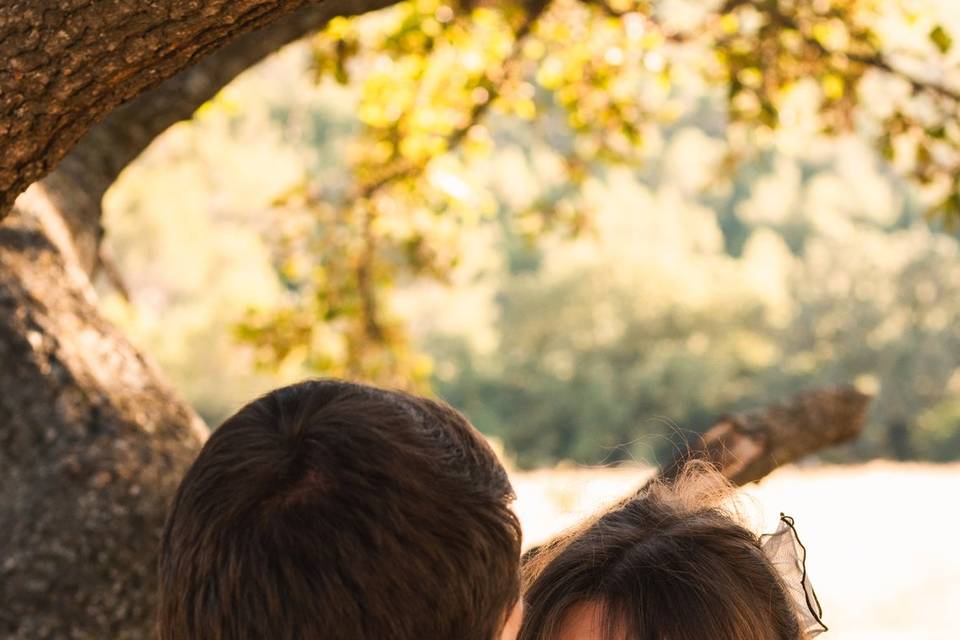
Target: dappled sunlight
580	271
511	260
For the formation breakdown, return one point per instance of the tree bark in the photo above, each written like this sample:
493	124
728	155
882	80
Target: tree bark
77	185
746	447
92	442
67	64
92	446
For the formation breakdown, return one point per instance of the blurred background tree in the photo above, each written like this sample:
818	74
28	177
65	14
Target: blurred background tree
588	224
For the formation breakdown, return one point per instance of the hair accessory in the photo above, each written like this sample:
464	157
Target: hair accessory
788	556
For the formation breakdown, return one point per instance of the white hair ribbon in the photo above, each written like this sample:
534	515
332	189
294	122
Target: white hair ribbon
788	556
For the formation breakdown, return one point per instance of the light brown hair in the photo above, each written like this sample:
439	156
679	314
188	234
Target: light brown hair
670	563
344	512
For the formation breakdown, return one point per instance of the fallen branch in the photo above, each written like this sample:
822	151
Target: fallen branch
745	447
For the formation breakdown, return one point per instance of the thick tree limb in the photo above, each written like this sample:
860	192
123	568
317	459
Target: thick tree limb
746	447
77	185
67	64
92	446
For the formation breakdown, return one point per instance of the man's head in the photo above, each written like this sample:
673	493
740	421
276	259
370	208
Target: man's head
339	511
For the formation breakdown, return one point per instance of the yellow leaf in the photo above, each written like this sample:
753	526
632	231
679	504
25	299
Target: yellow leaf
832	86
730	23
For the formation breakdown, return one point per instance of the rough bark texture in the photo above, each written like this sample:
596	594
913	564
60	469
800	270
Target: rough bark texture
92	446
76	187
745	447
69	63
79	182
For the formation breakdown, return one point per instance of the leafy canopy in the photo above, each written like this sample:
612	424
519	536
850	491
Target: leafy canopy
591	78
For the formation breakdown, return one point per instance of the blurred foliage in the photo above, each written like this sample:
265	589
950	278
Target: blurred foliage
586	222
880	310
600	364
591	371
594	76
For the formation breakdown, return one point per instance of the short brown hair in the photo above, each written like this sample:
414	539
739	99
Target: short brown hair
668	563
340	511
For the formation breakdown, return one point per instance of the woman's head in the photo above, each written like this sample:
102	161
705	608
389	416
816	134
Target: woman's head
668	564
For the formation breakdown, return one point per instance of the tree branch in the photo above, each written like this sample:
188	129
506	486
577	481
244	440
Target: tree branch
407	169
364	193
93	443
876	61
77	185
746	447
67	64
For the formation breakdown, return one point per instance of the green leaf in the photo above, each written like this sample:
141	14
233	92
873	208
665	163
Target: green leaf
940	38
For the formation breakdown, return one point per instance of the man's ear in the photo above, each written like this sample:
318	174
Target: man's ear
512	626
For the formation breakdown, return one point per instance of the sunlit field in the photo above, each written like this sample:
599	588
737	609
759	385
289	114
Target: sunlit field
881	537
